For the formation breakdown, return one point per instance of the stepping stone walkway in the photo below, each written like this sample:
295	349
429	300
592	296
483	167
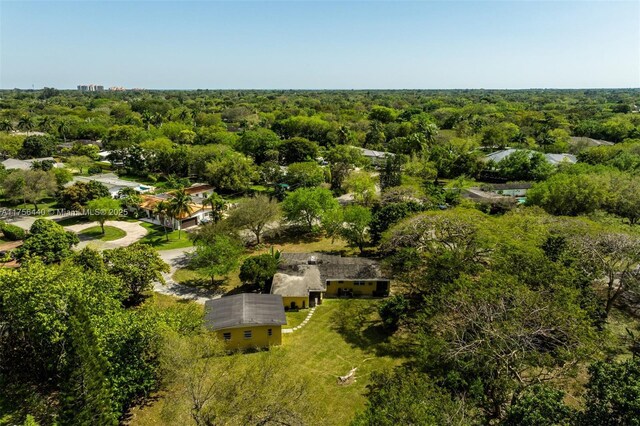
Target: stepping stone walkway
306	320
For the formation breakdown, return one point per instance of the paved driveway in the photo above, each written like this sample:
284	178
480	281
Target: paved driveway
134	231
25	222
179	258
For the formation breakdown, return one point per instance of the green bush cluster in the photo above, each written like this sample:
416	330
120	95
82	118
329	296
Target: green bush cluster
12	232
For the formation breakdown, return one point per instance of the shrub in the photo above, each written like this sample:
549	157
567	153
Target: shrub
12	232
94	170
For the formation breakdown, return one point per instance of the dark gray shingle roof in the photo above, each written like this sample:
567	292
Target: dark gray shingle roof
244	309
332	267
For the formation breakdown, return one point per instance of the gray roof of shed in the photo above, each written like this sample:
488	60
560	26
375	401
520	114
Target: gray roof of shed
243	310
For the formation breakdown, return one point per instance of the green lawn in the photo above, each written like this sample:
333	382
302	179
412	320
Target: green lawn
110	233
185	275
157	239
317	353
44	205
73	220
295	318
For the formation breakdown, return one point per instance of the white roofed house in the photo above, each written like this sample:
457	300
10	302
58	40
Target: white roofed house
113	183
554	159
15	164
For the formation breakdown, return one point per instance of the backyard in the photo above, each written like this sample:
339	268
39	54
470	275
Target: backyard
317	353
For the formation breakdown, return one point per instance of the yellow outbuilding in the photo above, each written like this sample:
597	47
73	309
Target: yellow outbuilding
246	320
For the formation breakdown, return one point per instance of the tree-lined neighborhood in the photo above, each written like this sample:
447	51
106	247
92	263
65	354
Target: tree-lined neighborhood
406	257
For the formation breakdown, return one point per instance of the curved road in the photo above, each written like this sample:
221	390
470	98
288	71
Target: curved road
178	258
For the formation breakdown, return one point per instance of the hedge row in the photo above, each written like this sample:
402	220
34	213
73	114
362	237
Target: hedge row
12	232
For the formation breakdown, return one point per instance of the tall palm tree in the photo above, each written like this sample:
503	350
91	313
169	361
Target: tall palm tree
25	123
217	204
194	116
62	129
147	118
162	211
180	204
343	135
44	124
6	125
430	132
157	119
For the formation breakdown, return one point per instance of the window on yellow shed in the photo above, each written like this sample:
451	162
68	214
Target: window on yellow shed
247	334
226	336
269	332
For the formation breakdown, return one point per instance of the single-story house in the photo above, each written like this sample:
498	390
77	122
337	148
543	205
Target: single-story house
246	320
113	183
304	279
14	163
377	158
69	145
198	212
512	189
554	159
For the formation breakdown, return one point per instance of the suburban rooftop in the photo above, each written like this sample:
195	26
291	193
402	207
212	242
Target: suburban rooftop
244	309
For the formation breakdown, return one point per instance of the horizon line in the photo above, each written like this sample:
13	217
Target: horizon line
128	89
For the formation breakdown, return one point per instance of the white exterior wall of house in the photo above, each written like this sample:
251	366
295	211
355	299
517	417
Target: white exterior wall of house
149	216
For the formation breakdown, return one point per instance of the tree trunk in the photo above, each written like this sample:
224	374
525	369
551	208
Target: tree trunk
102	226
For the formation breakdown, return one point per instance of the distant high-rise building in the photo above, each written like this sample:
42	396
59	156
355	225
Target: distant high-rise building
90	88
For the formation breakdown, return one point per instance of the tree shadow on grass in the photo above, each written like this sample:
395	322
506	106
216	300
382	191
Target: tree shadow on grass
244	288
216	287
369	335
291	235
373	338
73	220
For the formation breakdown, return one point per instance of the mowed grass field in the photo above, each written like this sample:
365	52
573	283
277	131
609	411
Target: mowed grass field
157	239
317	354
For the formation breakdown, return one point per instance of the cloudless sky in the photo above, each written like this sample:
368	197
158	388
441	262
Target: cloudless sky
320	45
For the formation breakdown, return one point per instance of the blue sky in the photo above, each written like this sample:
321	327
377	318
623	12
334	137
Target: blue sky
320	45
